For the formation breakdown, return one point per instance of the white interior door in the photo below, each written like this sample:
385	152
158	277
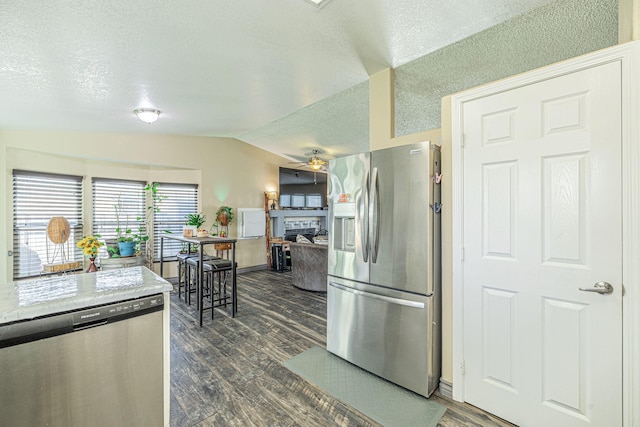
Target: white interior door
542	218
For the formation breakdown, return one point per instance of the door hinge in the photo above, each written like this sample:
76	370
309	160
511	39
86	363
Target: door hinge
462	254
462	140
462	368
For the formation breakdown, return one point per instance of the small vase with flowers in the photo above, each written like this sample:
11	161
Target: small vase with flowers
90	246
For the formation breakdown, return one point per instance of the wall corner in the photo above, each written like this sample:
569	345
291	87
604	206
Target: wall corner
628	20
381	109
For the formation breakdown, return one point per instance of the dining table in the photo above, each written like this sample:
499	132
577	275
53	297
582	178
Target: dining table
201	242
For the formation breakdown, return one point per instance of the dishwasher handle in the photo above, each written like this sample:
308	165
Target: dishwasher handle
33	330
90	325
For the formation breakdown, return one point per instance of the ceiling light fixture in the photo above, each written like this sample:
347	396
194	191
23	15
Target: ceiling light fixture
318	3
147	115
316	164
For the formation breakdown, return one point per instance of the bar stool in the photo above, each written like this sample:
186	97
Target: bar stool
192	278
217	296
182	271
222	251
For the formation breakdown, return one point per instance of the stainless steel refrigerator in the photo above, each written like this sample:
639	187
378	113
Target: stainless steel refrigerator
384	274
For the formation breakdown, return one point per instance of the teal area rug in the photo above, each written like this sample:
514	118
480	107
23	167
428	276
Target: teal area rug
380	400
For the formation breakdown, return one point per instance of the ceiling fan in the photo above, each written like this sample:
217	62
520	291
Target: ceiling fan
314	161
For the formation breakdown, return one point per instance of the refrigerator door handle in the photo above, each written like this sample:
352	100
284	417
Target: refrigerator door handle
374	215
392	300
364	225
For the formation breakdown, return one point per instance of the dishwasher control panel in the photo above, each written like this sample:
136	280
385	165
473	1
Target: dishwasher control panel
61	323
118	311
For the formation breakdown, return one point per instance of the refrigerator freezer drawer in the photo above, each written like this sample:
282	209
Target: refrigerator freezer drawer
386	332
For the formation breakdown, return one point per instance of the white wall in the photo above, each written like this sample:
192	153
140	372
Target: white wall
228	171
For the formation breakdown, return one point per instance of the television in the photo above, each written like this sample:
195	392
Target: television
302	189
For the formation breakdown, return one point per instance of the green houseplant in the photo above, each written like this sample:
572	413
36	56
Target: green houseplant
154	199
224	215
124	235
132	241
193	223
196	220
128	241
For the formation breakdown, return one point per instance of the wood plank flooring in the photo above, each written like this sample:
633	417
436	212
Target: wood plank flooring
230	373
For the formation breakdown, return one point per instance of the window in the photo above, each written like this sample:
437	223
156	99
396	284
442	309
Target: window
297	200
176	202
38	197
314	201
285	200
130	199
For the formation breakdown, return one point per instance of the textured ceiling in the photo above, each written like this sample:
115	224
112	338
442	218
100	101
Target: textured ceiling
218	68
546	35
553	32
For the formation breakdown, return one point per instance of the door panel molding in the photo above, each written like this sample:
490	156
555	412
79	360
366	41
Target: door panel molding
570	110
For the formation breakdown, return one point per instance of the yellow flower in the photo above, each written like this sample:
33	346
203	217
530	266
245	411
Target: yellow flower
90	245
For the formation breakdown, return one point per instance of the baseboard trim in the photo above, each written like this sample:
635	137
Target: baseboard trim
446	389
252	268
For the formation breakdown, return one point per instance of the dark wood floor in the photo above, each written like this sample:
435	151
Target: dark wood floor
230	373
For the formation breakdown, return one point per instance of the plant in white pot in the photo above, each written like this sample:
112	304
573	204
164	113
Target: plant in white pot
193	224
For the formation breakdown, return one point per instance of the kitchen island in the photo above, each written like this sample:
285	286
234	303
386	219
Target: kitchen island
85	349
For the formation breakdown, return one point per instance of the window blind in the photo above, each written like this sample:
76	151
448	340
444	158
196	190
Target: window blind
175	203
130	200
38	197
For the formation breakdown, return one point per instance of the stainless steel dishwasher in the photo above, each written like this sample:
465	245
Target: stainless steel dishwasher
98	366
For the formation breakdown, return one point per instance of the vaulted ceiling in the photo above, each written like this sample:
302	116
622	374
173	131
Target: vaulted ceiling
214	68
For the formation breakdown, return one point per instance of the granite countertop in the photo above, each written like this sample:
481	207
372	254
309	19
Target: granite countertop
28	299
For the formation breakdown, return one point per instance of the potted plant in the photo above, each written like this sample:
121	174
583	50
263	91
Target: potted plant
224	215
111	245
145	245
129	241
126	242
193	224
124	235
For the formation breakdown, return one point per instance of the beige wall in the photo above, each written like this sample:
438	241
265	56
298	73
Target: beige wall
628	20
381	109
447	243
228	172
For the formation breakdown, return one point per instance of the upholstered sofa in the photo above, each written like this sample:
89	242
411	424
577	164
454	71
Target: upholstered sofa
309	266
